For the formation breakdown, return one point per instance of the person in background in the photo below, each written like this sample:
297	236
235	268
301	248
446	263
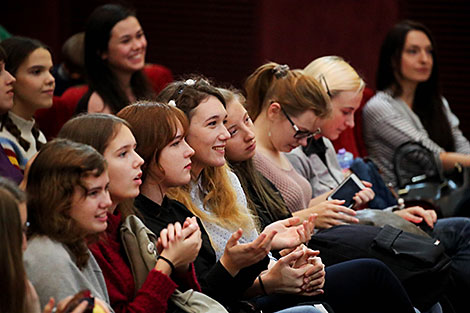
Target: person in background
115	48
30	62
71	71
409	105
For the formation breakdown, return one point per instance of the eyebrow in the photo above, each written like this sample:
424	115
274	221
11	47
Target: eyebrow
215	117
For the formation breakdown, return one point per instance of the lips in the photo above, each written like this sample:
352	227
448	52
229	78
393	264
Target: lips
188	166
251	147
103	217
219	149
137	179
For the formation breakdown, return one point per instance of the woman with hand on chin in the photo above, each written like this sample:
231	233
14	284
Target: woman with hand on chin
30	62
113	138
115	47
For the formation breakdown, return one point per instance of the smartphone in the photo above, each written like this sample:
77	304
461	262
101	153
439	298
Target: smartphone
78	298
347	189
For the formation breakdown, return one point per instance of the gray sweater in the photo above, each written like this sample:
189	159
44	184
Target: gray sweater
52	271
389	122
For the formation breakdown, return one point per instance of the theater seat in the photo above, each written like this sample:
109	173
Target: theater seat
50	120
351	139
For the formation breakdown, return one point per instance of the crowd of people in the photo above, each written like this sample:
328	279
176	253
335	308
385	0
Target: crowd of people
232	184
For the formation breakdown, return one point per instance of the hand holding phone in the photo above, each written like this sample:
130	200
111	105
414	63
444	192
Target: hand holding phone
347	189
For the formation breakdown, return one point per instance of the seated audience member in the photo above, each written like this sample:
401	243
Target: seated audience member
115	47
112	137
408	105
317	161
6	103
160	130
217	198
72	69
30	62
19	294
67	205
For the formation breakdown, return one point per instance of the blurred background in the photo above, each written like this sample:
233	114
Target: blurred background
227	39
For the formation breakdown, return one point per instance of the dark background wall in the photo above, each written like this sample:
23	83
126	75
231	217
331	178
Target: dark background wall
227	40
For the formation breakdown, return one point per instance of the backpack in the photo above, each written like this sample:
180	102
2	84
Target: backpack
420	263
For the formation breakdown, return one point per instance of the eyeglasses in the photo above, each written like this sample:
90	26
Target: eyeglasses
301	134
322	77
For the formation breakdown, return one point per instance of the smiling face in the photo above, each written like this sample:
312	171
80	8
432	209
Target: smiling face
416	57
127	46
34	86
90	207
207	134
344	104
6	89
282	131
242	144
123	166
175	160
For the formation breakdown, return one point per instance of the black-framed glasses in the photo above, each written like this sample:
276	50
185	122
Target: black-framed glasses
300	134
322	77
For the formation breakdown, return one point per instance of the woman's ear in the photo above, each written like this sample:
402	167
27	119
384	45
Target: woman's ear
273	110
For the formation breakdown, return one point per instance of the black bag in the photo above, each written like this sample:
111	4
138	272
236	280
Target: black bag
419	262
420	178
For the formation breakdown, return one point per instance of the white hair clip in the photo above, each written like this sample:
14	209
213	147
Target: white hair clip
172	103
190	82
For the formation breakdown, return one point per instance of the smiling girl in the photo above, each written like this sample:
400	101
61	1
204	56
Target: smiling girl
115	48
30	62
113	137
67	203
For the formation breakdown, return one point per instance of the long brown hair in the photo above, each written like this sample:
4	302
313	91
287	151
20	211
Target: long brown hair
219	193
13	286
53	179
154	126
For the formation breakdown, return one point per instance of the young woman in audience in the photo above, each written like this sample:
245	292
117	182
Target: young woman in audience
115	48
30	62
112	137
18	294
209	189
67	204
160	130
6	103
408	105
317	161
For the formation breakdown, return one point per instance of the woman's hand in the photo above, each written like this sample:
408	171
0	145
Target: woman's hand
179	245
332	213
282	277
314	278
289	233
363	197
416	214
237	256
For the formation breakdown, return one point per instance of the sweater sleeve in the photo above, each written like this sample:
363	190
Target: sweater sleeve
461	143
153	296
391	127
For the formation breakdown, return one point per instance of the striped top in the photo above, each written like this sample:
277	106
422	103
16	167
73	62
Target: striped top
389	122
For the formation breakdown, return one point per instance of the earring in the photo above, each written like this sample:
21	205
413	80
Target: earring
269	133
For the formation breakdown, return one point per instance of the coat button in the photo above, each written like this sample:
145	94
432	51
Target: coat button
151	247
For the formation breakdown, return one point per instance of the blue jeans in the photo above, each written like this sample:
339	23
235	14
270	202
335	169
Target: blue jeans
454	234
300	309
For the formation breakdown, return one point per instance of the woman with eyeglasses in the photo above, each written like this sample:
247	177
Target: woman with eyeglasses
287	108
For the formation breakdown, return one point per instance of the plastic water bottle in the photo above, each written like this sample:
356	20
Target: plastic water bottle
345	158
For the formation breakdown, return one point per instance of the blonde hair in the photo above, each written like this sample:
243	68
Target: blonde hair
335	75
296	91
219	195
